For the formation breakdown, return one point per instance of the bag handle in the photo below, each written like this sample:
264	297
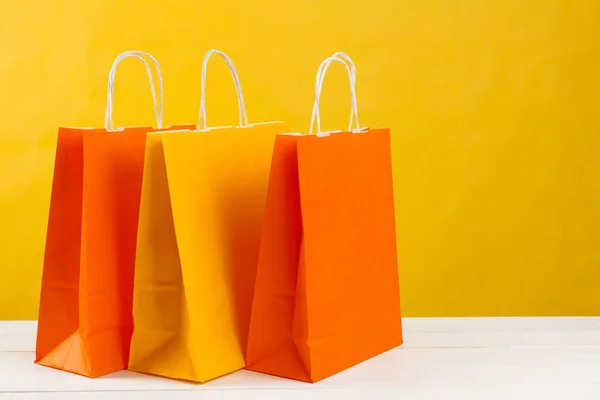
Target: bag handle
243	116
345	60
108	116
319	84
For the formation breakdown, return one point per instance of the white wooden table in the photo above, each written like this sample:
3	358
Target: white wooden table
443	358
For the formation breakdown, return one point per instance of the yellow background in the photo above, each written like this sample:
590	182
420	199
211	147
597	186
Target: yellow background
494	108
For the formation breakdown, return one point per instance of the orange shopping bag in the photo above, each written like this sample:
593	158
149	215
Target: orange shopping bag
85	318
327	293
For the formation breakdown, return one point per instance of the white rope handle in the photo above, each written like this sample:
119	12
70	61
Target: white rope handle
243	116
319	84
351	69
349	65
108	117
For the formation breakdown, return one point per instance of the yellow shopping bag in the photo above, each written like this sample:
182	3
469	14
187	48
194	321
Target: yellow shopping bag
201	212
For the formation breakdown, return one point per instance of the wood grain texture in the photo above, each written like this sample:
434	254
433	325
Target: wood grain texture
443	358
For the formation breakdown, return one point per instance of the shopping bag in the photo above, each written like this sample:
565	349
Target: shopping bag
201	212
327	293
85	320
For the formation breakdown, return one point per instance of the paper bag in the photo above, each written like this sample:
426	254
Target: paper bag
85	320
202	207
327	293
